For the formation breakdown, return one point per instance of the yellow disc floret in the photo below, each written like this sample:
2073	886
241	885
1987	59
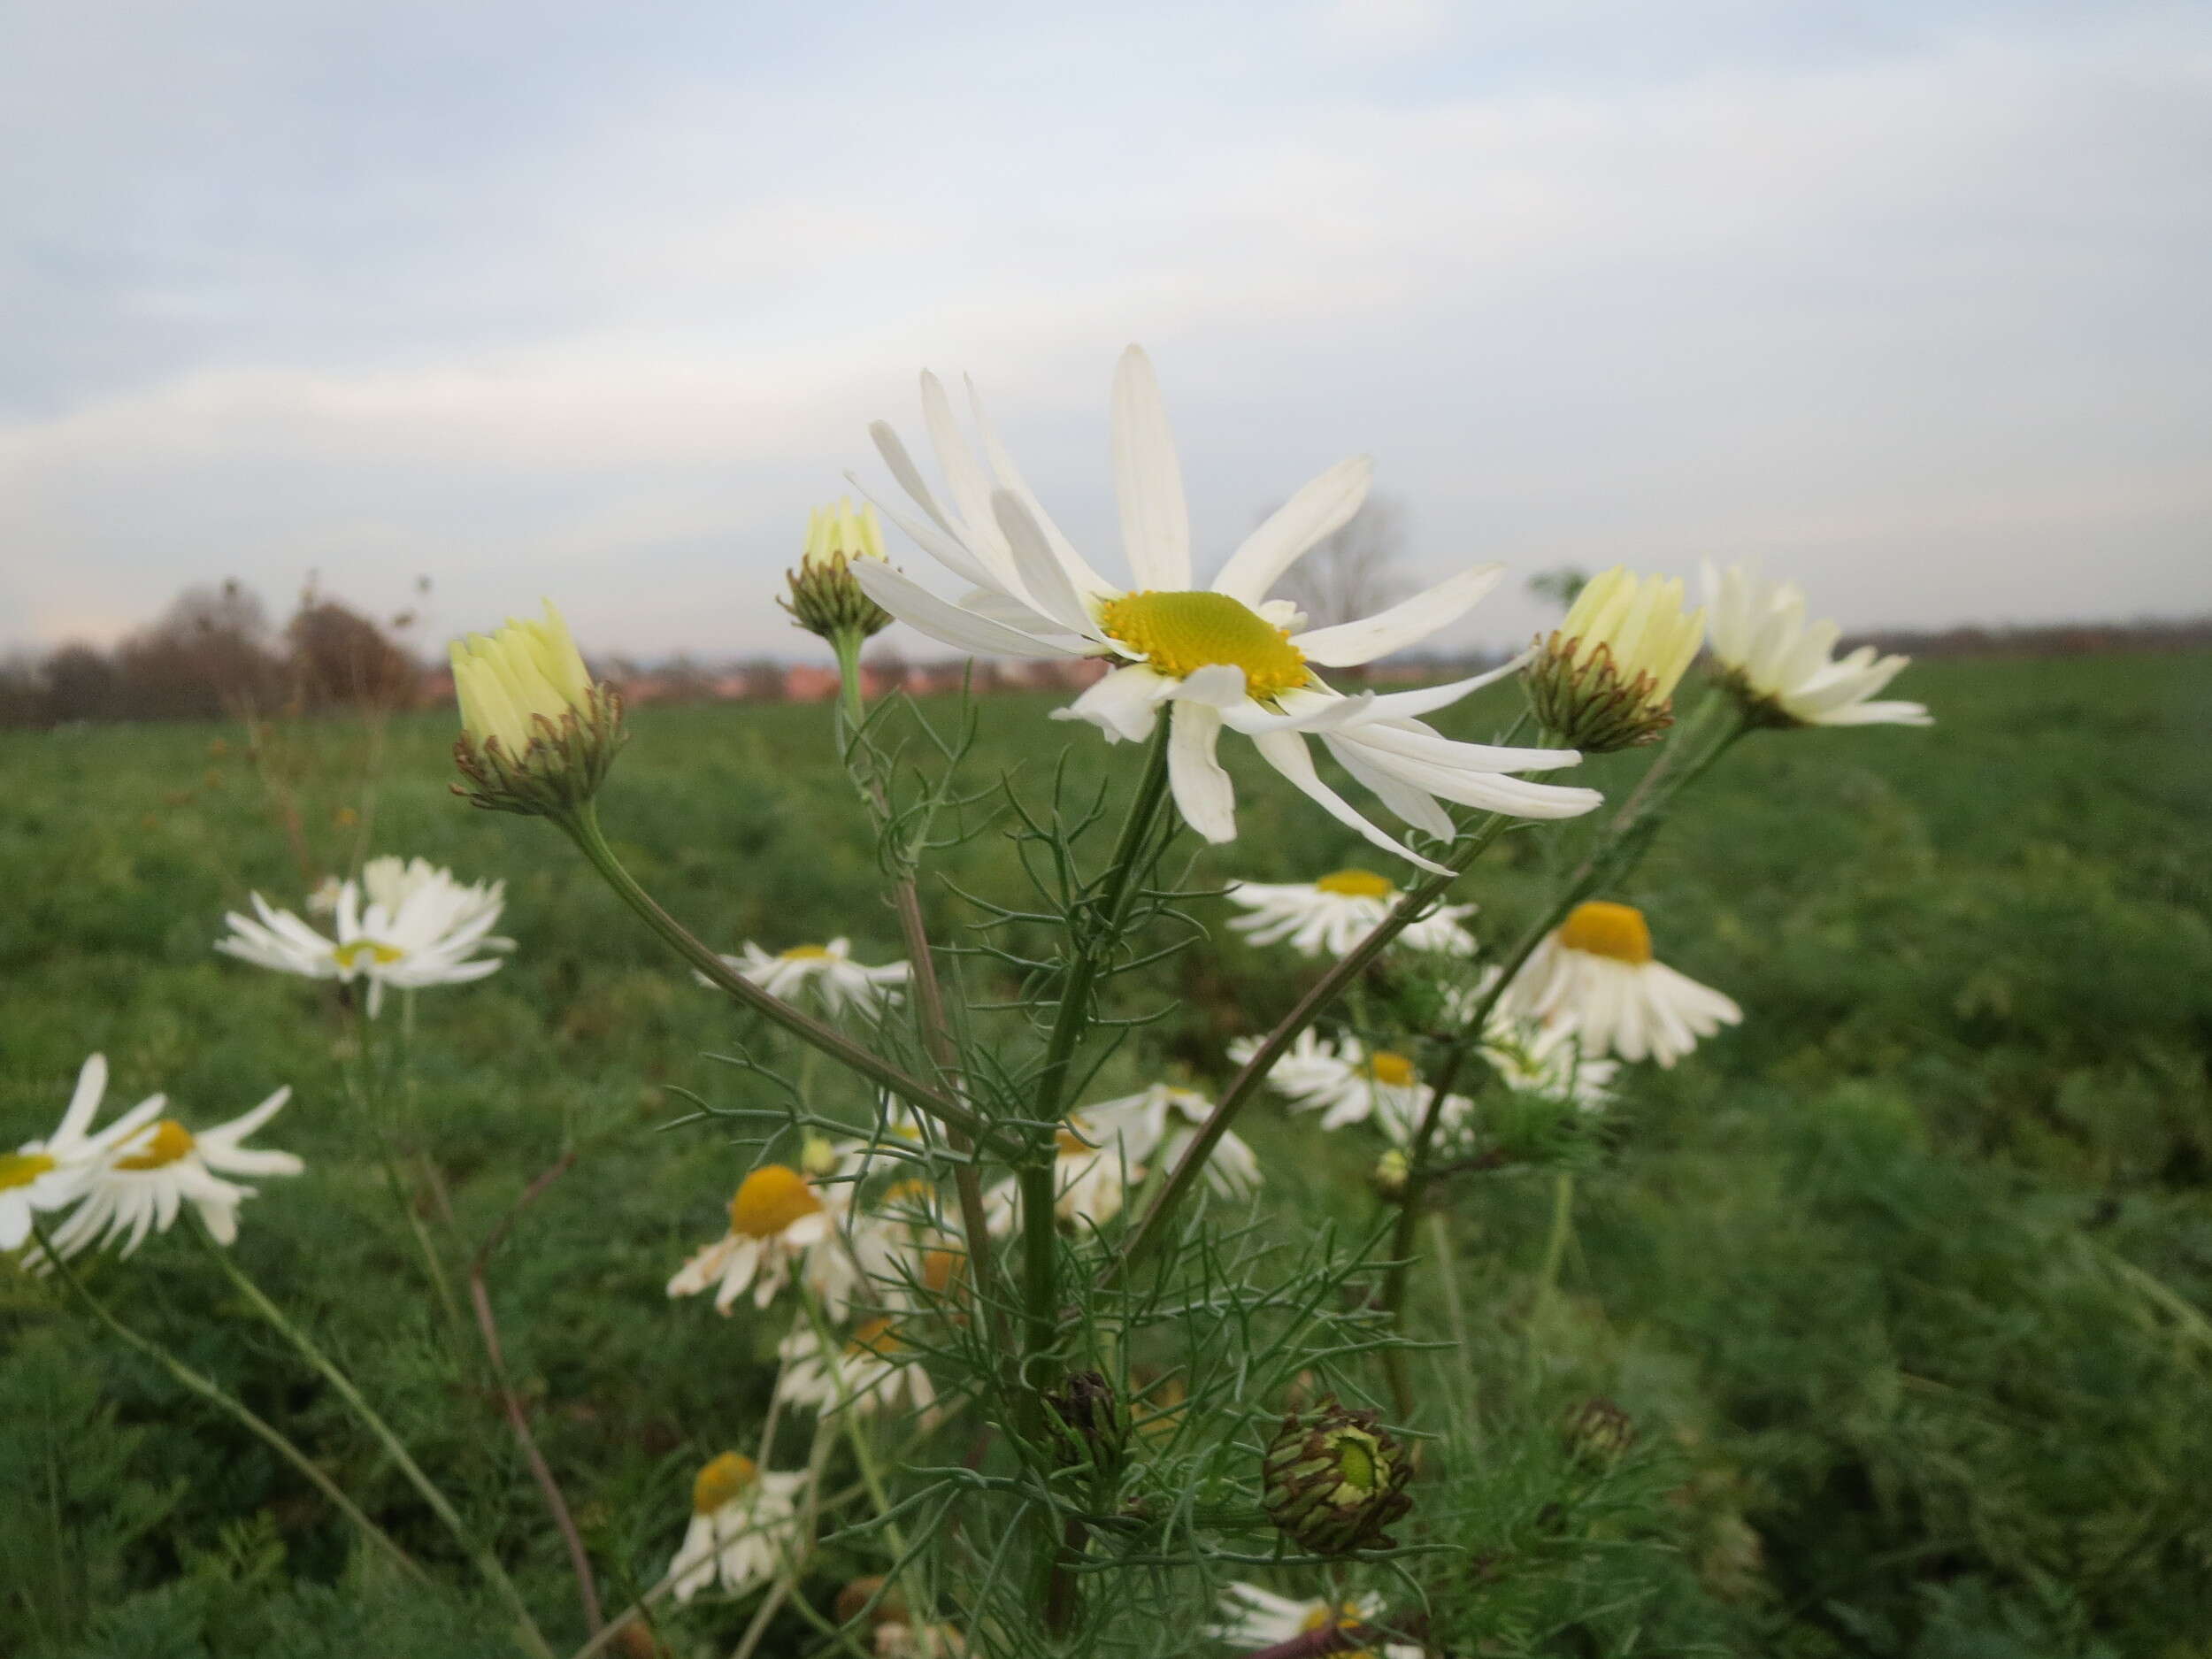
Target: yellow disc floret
807	953
348	955
724	1477
20	1169
1357	884
1393	1071
169	1142
875	1338
1179	633
771	1199
1606	929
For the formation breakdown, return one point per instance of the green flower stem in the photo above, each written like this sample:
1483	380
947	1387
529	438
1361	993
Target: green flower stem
210	1390
582	827
1563	1210
1151	1230
486	1562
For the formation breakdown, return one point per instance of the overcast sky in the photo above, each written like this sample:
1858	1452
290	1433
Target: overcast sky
1912	301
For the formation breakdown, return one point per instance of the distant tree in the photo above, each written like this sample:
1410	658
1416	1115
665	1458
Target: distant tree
342	659
762	679
207	655
682	679
1560	585
82	683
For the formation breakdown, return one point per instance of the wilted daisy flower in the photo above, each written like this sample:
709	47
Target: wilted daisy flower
744	1520
1349	1084
1335	912
50	1174
871	1370
419	927
1227	656
144	1181
780	1223
1779	666
826	974
1597	972
1254	1617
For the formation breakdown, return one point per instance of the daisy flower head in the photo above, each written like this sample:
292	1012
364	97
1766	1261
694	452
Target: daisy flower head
826	975
871	1371
1334	912
1349	1084
418	926
1252	1617
744	1522
780	1225
50	1174
1226	656
1545	1058
1162	1120
1605	679
145	1179
1596	972
1782	668
1099	1153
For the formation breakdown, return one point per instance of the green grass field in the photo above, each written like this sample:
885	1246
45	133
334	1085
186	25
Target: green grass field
1912	1272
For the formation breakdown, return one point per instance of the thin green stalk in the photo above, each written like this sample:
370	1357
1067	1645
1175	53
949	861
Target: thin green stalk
210	1390
1562	1206
486	1562
582	827
370	1086
1151	1230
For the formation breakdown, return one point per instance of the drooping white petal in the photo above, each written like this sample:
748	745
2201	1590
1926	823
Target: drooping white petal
1320	508
1125	704
994	606
1349	644
1286	752
1148	479
944	542
916	606
1405	705
1203	794
1042	576
1417	807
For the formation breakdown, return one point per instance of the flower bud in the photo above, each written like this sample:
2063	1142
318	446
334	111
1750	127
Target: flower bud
825	598
818	1156
537	733
1597	1431
1605	679
1333	1481
1090	1425
1389	1177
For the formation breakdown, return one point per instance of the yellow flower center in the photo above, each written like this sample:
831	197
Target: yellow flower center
723	1478
349	957
1178	633
169	1142
771	1199
1606	929
20	1169
1341	1616
875	1338
1393	1071
914	1193
1070	1139
940	1268
807	953
1357	884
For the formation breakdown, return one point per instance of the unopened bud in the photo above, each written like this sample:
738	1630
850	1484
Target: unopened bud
1334	1481
818	1157
1090	1425
825	598
1390	1174
1605	679
537	732
1597	1431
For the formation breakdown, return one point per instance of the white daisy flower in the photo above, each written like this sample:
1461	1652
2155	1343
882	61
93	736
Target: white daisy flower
781	1223
1349	1084
871	1371
825	974
1227	656
1781	664
1331	915
744	1523
144	1181
1162	1121
1254	1617
1545	1058
904	1246
1596	971
419	926
51	1174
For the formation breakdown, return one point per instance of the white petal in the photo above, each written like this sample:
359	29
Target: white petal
92	1082
1402	705
1088	581
1286	752
1417	806
1202	791
1124	704
1043	577
1149	478
944	545
918	608
1321	508
1351	643
1216	685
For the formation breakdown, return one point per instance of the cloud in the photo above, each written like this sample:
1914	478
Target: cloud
1914	308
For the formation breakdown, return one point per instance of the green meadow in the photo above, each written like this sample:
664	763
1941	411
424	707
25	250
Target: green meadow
1906	1283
